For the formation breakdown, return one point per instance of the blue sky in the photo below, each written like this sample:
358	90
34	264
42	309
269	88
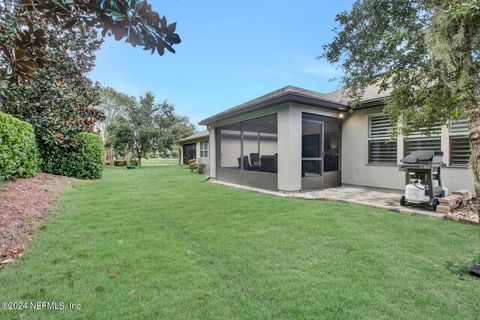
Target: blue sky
231	52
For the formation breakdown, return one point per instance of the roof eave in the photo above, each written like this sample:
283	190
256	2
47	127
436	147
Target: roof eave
372	103
193	139
289	97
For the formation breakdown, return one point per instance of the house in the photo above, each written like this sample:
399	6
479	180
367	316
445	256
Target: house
194	146
295	139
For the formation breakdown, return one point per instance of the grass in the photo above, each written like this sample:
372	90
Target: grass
160	161
160	243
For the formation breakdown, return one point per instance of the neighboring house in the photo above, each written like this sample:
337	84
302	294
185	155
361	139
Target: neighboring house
295	139
194	147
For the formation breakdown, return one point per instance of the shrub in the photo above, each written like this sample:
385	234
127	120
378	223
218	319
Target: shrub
120	163
133	162
18	149
84	160
192	165
201	168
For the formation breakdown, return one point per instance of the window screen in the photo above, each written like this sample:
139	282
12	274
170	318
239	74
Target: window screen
381	149
418	140
459	143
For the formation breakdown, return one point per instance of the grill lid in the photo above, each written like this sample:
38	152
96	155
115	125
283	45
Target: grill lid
423	157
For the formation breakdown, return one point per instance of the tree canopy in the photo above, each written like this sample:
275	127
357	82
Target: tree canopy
425	53
60	100
143	126
26	25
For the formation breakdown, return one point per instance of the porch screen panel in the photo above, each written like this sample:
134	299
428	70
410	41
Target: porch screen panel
331	147
419	140
230	146
250	146
459	143
381	148
260	139
312	146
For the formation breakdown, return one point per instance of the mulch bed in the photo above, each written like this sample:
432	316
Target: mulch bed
466	213
24	205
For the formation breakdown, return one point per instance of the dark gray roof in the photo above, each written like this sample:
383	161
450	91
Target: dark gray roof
196	136
286	94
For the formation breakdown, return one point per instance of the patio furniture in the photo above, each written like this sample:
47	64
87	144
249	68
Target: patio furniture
246	163
268	163
255	160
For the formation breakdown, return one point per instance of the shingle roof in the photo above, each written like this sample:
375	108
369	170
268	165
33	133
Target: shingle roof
286	94
336	100
371	93
196	136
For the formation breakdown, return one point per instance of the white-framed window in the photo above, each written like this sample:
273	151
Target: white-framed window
381	148
419	140
459	143
204	149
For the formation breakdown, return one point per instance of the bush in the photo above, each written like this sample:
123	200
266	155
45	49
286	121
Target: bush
192	165
83	160
201	168
18	149
120	163
133	162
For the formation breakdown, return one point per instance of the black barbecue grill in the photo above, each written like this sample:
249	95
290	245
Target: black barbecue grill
425	166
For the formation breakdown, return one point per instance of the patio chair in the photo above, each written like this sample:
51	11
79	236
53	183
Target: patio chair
246	163
268	163
255	160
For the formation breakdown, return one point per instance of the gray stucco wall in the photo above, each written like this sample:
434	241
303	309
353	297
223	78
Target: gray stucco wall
357	171
212	153
290	144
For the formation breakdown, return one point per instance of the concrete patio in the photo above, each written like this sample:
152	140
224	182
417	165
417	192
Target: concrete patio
377	198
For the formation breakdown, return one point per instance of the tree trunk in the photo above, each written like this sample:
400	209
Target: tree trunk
473	112
139	155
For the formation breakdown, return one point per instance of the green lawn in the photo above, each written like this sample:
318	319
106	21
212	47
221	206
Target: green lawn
160	161
160	243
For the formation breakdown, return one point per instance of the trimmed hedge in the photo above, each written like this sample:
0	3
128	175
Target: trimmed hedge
83	161
18	149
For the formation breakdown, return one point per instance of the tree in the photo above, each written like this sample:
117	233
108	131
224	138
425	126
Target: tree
427	52
172	127
135	131
60	100
120	136
113	104
141	118
24	35
145	126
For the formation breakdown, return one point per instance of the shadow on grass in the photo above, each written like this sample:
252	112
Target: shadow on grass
461	269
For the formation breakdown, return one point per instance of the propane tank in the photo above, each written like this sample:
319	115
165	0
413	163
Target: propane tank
415	190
